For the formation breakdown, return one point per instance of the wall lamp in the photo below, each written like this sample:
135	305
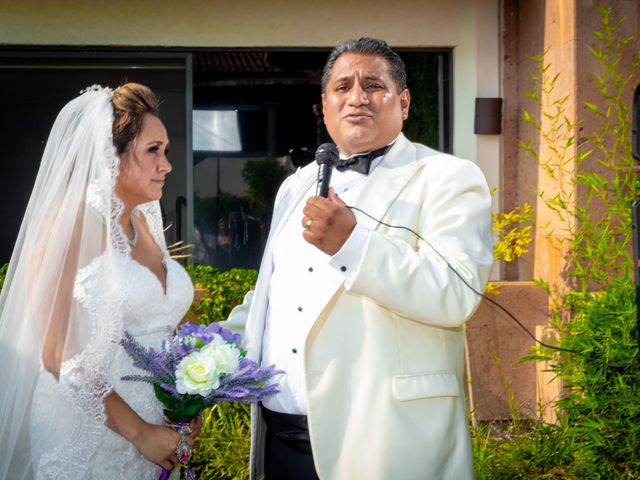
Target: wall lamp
488	116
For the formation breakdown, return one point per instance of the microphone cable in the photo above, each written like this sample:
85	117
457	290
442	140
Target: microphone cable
589	358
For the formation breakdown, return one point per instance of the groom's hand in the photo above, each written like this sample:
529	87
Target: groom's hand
327	222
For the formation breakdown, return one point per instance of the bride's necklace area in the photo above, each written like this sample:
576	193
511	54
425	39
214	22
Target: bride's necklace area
134	240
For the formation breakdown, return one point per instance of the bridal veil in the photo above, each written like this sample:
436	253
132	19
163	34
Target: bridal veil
60	308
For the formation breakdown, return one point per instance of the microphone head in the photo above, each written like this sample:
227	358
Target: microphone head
327	153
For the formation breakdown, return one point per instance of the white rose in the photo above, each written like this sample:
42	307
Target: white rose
197	374
225	355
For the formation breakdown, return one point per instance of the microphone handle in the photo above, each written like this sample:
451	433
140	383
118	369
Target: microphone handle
324	178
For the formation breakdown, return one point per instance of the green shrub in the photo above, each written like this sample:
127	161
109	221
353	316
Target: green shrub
602	411
518	448
536	450
598	435
3	273
221	291
222	451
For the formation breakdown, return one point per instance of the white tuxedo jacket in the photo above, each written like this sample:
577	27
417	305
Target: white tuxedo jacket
384	359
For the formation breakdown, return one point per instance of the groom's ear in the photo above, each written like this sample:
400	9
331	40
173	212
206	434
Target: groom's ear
405	101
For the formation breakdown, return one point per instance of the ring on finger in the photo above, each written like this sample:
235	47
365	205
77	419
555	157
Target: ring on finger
308	223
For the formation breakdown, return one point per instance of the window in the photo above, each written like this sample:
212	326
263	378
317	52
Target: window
262	116
39	83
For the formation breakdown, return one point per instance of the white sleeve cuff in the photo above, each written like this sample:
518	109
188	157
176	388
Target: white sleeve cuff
348	258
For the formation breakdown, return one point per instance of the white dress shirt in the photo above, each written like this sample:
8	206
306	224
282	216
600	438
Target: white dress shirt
299	274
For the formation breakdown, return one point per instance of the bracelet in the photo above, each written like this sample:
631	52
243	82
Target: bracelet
183	449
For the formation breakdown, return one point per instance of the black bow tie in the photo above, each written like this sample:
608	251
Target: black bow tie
362	162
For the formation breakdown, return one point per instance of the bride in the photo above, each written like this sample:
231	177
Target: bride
90	261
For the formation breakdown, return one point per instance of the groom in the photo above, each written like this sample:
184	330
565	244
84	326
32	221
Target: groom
366	319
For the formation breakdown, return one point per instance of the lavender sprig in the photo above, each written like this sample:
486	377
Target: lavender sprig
146	358
247	385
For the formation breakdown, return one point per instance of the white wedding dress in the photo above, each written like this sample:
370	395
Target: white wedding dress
149	314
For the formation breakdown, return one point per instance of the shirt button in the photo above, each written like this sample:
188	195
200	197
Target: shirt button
299	309
294	350
343	269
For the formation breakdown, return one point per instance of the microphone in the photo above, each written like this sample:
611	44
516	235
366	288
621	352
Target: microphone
326	157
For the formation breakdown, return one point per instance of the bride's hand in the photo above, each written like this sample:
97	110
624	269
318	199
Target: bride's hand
158	444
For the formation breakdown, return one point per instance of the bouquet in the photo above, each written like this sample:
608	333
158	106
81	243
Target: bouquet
198	366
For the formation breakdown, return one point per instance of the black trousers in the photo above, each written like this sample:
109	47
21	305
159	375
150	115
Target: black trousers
287	454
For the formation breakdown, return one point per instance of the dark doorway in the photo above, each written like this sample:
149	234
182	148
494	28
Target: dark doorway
34	86
257	117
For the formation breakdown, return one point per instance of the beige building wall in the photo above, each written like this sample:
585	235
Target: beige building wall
246	23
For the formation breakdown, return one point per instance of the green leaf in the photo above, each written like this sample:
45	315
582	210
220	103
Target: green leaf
592	106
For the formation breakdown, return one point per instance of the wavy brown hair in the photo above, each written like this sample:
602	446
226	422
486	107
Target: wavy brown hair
131	102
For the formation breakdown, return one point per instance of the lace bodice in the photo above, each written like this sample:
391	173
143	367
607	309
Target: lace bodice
149	314
147	308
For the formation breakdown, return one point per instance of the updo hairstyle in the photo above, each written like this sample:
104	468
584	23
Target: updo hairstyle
131	102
